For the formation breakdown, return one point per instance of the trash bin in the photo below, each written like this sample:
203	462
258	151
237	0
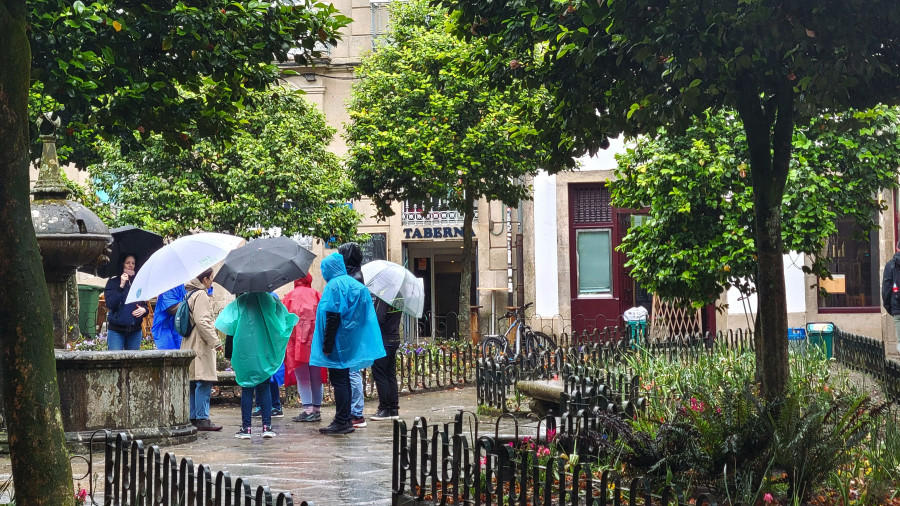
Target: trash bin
636	319
637	330
821	334
797	338
88	300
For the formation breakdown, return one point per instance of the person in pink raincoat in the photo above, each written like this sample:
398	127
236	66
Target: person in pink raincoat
302	301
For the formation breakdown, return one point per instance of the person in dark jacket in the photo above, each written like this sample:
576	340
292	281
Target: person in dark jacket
352	254
123	320
890	290
384	370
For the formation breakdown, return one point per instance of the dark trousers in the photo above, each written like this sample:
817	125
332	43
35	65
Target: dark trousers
340	383
384	370
275	393
263	396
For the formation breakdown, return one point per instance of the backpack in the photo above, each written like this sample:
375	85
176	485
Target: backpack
183	322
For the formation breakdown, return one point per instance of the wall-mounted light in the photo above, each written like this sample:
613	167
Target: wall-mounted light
310	77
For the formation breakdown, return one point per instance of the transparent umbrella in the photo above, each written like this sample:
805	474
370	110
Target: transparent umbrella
395	285
179	262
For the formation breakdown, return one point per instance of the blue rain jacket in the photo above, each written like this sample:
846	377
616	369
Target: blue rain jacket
261	327
358	340
164	334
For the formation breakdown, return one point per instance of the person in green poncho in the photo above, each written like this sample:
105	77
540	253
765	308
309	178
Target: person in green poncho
261	327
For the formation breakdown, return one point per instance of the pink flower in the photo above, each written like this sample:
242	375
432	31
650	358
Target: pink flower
718	411
483	461
696	405
551	434
768	498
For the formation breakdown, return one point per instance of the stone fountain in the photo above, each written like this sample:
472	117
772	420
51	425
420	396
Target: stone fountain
143	393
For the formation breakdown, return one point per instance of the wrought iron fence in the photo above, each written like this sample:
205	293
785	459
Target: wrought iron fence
138	475
443	464
430	367
868	355
419	368
607	353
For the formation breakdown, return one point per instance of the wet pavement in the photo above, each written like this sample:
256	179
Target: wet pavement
351	469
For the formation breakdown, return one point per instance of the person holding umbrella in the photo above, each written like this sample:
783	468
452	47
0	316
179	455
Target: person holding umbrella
396	291
346	336
124	320
259	324
384	370
204	341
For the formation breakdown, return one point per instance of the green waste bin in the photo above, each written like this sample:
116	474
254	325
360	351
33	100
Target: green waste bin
88	300
821	334
637	329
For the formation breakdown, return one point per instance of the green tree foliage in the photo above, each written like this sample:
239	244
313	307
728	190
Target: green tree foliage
276	172
182	70
699	239
124	69
633	66
424	129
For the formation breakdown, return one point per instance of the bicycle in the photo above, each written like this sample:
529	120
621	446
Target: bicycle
527	341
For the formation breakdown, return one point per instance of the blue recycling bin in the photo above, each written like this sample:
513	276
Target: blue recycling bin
821	335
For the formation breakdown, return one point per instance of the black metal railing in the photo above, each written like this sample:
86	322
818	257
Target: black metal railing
607	353
447	464
867	355
138	475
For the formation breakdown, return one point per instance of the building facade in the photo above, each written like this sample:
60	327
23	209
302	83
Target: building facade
558	250
578	280
428	243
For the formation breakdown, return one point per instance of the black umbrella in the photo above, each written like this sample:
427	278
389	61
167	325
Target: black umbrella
263	265
127	240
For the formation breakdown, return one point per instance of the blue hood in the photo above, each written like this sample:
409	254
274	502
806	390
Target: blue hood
333	266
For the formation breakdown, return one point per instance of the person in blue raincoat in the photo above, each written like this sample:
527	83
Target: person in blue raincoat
261	327
164	334
346	336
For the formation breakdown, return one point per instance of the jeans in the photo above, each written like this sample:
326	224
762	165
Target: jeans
264	396
357	399
199	399
309	384
384	371
340	382
119	341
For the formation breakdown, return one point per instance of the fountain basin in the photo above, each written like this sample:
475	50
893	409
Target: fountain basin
142	393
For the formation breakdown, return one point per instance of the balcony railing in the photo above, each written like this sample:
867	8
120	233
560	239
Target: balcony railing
415	215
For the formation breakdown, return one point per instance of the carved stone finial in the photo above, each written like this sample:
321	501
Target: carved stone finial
49	184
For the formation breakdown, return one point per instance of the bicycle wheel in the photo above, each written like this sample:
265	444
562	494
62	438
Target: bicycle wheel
492	347
539	342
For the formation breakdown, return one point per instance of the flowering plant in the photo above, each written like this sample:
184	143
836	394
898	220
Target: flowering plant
81	497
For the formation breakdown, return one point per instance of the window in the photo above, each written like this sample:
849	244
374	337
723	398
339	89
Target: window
594	251
855	269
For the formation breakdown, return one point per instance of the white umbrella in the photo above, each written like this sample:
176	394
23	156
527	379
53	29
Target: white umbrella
395	285
178	262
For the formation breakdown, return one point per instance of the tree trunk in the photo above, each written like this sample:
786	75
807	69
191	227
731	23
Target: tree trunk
40	464
770	154
465	279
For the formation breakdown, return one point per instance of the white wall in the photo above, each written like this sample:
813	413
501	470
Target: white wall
605	158
794	287
546	258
